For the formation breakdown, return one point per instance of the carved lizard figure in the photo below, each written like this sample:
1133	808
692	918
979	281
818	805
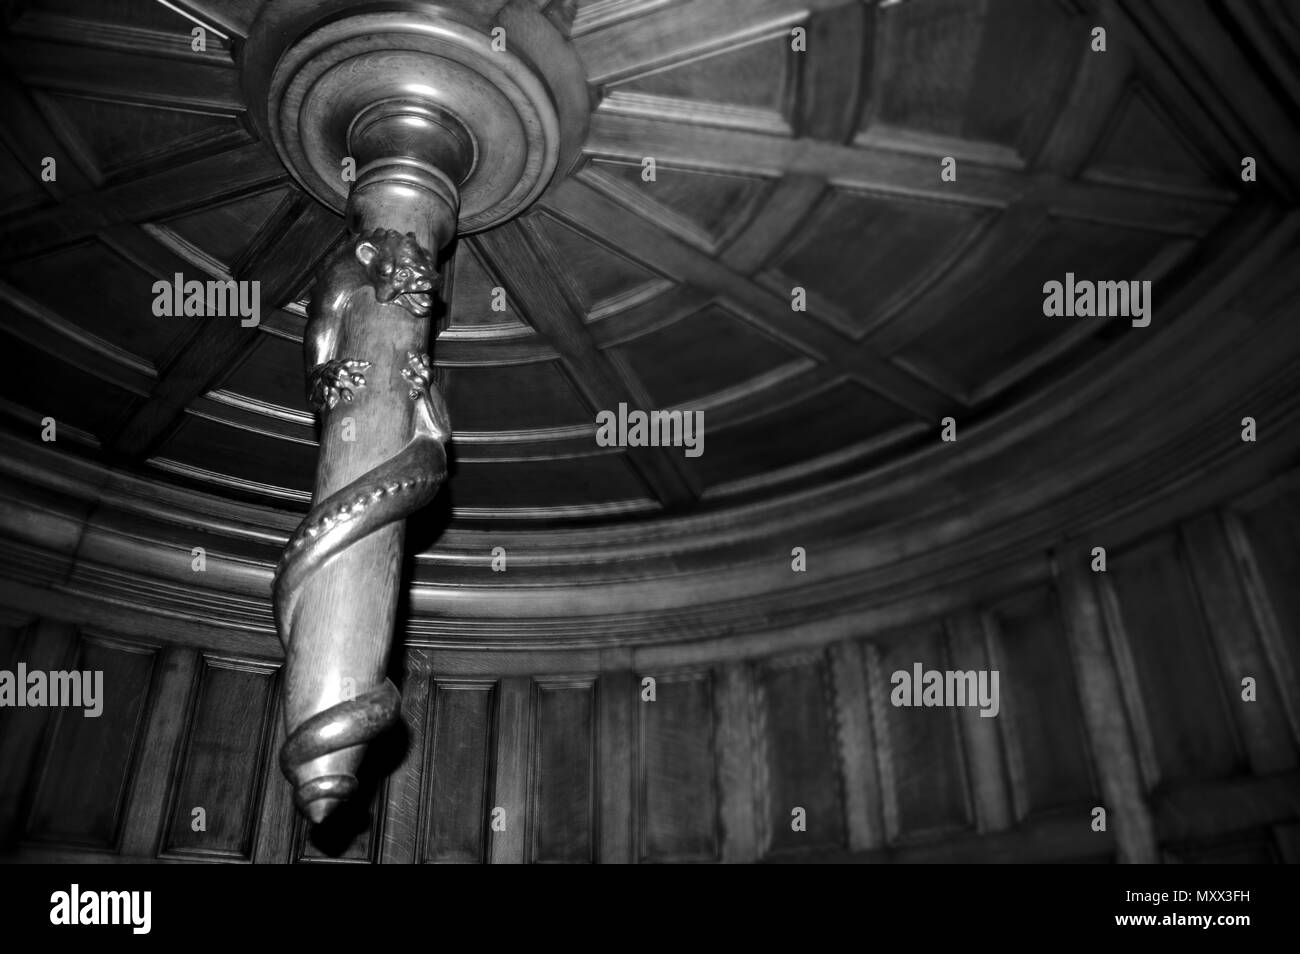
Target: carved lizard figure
400	272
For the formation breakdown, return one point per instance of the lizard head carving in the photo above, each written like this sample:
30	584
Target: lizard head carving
400	271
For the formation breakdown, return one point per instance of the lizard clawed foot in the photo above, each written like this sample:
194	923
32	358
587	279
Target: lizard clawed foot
336	380
419	374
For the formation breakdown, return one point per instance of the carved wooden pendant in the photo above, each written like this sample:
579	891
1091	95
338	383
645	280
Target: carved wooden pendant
416	124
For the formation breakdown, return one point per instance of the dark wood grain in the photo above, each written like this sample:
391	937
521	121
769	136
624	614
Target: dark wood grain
1041	722
799	755
294	243
89	762
677	790
1109	732
458	816
521	258
227	758
562	801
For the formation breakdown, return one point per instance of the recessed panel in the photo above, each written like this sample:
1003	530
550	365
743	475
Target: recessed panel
1143	145
225	759
91	286
224	232
679	818
924	774
514	397
272	373
1039	714
48	387
122	135
581	482
679	363
800	753
703	206
753	76
563	806
1175	674
596	272
865	254
987	72
456	814
1001	322
829	421
478	297
239	459
88	761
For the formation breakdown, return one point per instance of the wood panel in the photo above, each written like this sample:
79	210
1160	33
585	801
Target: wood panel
1042	724
1262	721
456	813
44	645
562	804
1265	537
1110	736
161	752
737	765
677	792
510	769
982	740
88	762
1169	669
798	757
618	697
922	768
226	760
354	834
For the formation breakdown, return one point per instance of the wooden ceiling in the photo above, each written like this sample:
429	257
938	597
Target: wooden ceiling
775	168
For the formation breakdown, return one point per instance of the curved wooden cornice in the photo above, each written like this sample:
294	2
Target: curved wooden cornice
1104	452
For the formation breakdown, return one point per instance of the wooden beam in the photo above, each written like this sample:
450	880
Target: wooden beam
49	645
232	17
617	696
145	815
510	770
734	755
862	796
1262	723
29	137
1169	68
531	271
873	167
1109	732
981	740
637	44
1222	78
588	210
287	252
195	81
1209	809
193	185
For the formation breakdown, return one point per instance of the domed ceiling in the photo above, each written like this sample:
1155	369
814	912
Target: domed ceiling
798	151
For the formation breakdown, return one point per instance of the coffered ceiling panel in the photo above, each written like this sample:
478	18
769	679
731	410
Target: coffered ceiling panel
225	232
773	166
966	354
679	363
857	284
123	137
944	68
1145	145
98	290
705	207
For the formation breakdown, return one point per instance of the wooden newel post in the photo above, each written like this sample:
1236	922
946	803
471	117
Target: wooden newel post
417	123
383	426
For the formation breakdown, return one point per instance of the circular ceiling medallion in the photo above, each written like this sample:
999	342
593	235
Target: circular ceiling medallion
464	96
